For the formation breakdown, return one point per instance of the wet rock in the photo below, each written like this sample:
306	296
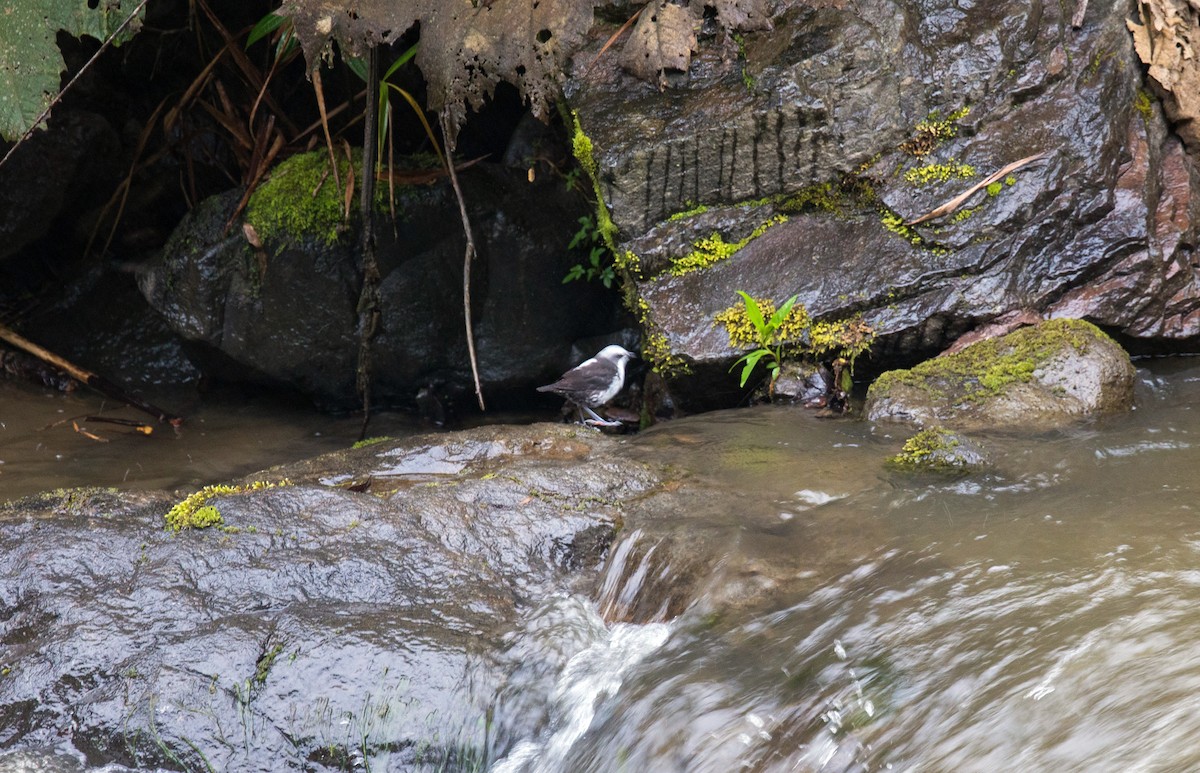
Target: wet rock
319	626
286	313
851	121
1037	377
938	450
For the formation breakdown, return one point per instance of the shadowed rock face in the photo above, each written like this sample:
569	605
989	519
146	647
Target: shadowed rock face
1103	227
287	316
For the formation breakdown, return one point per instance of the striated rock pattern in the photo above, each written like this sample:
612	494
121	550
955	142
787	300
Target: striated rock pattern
852	121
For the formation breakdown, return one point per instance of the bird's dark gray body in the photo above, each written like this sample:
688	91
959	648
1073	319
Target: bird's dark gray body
595	381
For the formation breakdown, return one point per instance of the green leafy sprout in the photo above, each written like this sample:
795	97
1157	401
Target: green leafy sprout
770	343
599	265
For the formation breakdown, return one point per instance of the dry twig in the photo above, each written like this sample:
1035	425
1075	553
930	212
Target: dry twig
467	259
958	200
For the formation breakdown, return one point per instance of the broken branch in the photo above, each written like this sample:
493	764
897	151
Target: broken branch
961	198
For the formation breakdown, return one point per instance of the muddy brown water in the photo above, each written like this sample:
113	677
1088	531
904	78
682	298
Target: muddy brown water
1038	617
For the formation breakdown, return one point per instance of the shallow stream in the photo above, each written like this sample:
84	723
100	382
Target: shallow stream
1040	617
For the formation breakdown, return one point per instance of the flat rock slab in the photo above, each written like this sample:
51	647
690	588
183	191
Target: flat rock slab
321	626
1039	377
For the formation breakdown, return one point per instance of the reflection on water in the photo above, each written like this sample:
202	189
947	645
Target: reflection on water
225	435
1040	617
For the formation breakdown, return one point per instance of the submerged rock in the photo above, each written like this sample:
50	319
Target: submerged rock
1037	377
939	450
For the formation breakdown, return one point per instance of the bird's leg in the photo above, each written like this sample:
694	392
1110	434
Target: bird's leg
596	421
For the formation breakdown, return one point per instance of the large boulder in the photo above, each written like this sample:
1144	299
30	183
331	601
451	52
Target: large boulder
316	627
285	313
1037	377
795	161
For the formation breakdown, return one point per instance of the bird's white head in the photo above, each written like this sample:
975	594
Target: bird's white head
615	354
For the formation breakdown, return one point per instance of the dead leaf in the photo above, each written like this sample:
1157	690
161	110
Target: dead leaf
1167	40
663	40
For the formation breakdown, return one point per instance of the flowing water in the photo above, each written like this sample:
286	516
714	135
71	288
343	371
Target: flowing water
1038	617
1041	617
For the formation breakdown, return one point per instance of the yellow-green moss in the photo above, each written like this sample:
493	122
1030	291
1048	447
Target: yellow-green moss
742	333
194	512
994	189
929	450
986	368
691	211
847	338
1144	104
936	173
933	131
800	336
656	350
825	197
370	441
894	223
585	154
714	248
966	213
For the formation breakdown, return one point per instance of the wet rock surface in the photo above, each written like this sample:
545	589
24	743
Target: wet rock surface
853	120
320	626
1038	377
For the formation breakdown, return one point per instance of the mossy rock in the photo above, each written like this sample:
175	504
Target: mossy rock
939	450
1038	377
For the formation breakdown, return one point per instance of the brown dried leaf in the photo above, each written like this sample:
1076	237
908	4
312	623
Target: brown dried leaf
466	49
744	15
1168	41
663	39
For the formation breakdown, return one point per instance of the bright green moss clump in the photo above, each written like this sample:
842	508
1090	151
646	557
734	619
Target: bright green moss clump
937	173
302	199
195	512
935	450
933	131
742	333
714	248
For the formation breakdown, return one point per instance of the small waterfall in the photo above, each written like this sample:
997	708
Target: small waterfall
592	675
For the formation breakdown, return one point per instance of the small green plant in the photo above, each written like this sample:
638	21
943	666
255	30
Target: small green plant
599	266
770	343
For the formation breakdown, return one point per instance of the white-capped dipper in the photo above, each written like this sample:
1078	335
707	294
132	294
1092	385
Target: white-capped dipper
594	382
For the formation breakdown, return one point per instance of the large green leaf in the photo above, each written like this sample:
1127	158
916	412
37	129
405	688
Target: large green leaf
30	63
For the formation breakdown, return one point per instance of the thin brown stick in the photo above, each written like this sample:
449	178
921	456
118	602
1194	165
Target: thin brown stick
320	92
958	200
101	385
369	313
59	96
608	43
467	257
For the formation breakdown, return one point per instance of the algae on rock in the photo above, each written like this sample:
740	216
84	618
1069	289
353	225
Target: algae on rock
1040	376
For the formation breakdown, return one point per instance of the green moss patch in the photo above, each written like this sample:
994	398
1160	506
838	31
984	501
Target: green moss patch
714	248
196	512
935	450
302	198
